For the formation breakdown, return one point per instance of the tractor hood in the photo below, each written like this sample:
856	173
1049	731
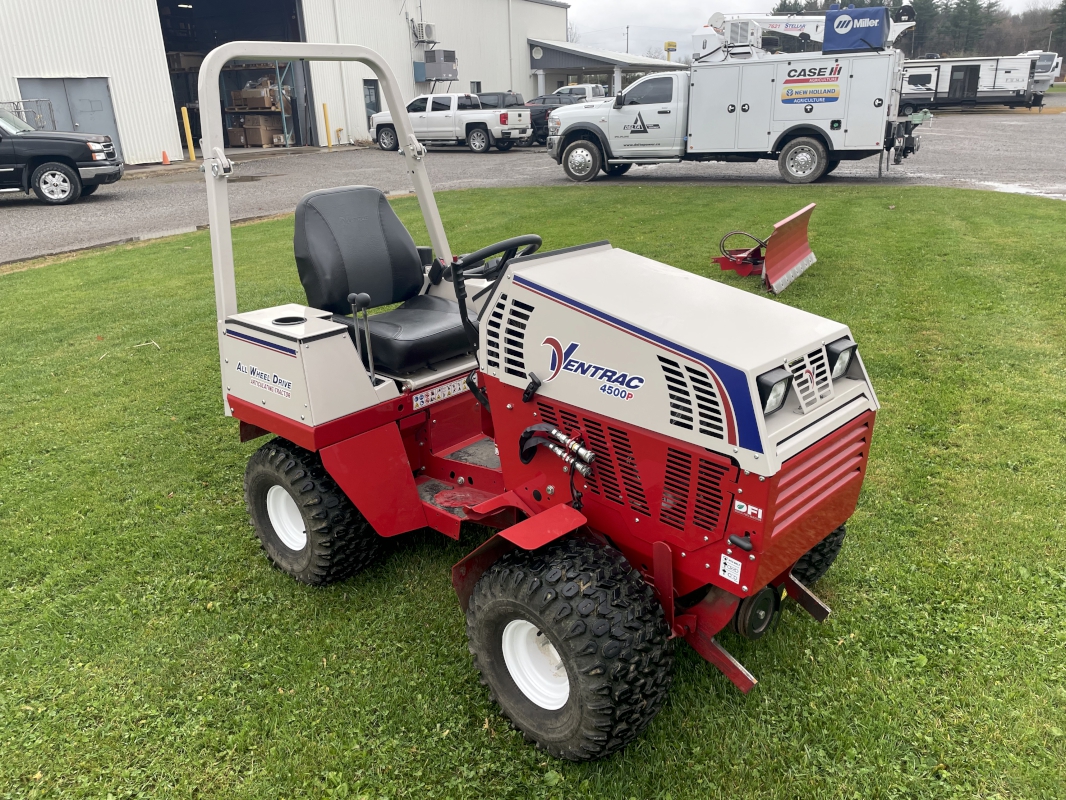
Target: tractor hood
625	336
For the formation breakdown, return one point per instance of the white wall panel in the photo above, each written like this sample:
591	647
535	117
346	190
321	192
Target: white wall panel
477	30
115	39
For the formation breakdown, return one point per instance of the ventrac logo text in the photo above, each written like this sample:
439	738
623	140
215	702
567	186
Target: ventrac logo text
746	510
268	381
844	23
613	382
638	126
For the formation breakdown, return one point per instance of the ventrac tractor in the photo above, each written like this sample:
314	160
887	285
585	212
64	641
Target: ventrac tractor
651	477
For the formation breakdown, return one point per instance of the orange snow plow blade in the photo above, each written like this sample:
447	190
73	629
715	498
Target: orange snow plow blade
780	259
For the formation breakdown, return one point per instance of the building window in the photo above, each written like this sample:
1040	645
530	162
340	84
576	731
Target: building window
475	87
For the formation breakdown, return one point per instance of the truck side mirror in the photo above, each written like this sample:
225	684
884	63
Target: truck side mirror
618	100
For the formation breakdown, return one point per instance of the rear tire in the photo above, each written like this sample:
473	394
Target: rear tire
478	140
816	562
803	160
307	526
832	165
581	160
573	647
504	145
387	139
56	184
615	170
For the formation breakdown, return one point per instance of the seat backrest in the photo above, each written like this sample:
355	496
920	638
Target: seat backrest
350	240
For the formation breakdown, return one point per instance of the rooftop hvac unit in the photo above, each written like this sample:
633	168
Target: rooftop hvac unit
742	32
441	65
425	32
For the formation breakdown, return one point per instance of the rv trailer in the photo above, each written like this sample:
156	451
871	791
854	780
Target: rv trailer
943	82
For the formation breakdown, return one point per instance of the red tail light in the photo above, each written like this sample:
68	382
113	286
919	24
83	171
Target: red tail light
503	118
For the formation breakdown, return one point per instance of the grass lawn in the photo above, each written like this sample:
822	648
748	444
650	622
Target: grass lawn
147	649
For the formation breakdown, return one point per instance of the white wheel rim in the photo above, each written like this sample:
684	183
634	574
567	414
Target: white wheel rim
535	665
286	518
478	140
802	161
386	138
55	185
580	161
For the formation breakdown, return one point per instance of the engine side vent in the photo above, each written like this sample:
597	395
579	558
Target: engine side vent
677	389
810	378
604	478
673	510
709	498
570	421
708	404
547	414
627	468
492	332
514	338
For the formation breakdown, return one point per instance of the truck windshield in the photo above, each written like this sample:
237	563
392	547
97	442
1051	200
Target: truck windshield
9	123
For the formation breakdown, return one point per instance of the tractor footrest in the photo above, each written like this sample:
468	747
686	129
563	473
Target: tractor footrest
443	503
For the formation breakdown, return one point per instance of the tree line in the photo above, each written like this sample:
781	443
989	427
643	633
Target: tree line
955	28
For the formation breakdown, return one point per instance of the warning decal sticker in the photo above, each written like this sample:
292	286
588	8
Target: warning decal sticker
729	569
438	393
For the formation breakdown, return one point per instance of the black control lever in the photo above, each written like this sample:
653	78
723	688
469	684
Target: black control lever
361	302
531	390
459	283
479	394
743	542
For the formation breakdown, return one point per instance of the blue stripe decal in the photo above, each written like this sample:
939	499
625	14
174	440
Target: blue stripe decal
261	342
734	380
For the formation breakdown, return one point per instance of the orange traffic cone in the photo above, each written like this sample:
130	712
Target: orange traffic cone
166	159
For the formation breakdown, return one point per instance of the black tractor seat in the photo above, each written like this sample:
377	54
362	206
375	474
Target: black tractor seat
350	240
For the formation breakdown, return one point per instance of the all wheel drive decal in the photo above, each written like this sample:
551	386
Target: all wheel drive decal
732	384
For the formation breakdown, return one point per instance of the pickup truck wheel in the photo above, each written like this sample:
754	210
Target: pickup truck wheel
387	139
88	190
56	184
504	145
478	140
581	160
803	160
615	170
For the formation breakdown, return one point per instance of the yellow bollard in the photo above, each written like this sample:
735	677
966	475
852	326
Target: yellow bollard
325	113
188	133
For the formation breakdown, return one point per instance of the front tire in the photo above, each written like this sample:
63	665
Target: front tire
56	184
832	165
816	562
478	140
307	526
615	170
803	160
88	190
581	160
387	139
573	647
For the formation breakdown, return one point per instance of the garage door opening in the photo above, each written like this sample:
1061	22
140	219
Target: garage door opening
264	103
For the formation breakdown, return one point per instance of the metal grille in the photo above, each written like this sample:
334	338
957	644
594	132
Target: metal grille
492	332
810	379
604	478
694	400
514	338
709	497
673	510
627	467
547	413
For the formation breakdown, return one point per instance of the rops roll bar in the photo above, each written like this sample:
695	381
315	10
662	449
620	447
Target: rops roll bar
217	167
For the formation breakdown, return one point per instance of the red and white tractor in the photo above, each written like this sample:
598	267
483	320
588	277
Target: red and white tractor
651	475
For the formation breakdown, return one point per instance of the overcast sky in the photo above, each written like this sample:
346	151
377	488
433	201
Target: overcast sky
602	23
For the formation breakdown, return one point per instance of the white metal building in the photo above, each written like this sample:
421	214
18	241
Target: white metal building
126	67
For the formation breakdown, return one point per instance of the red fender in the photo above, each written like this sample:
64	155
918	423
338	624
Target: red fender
529	534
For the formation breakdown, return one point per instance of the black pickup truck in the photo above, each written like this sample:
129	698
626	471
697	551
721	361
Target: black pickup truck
60	167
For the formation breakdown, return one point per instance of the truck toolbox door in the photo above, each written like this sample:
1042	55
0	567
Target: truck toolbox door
713	109
869	82
756	107
646	123
810	91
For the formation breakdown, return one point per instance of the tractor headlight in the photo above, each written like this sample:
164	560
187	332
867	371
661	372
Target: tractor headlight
840	355
773	389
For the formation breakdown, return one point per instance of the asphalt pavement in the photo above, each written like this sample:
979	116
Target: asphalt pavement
1015	151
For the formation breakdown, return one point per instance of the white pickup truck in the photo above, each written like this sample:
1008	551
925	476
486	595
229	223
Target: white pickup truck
739	102
446	119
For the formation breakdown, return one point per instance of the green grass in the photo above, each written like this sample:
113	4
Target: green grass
1057	87
147	649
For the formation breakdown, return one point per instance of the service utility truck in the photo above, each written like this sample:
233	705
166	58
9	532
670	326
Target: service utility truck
446	119
954	82
740	102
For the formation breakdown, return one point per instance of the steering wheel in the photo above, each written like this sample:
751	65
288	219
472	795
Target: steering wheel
529	243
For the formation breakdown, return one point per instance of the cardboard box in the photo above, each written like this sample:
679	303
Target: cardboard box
267	122
258	137
236	137
257	98
280	139
184	61
235	98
